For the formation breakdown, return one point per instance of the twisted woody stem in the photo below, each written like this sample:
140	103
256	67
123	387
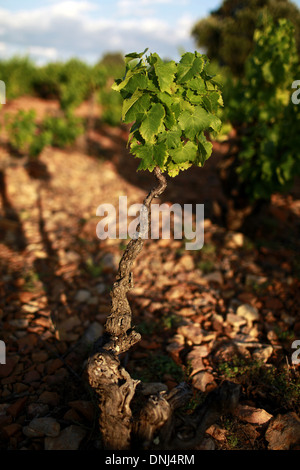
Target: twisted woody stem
120	336
123	425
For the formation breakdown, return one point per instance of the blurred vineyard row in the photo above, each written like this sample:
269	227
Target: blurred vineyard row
257	107
69	83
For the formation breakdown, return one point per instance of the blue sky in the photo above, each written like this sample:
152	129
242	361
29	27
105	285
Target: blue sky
58	29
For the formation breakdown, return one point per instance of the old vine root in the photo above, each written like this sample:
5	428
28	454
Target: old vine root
129	416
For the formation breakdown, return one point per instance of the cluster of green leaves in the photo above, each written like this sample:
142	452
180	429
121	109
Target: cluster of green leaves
111	104
112	65
25	136
28	137
227	33
260	108
69	82
64	129
171	106
17	73
74	81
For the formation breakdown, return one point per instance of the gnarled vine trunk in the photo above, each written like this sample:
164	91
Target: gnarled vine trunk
135	415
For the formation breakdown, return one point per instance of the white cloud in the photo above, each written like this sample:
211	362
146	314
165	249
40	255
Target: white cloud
139	7
67	28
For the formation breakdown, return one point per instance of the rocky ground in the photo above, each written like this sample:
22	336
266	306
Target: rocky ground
227	311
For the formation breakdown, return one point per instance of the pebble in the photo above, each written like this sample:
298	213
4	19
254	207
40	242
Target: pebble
110	261
92	333
235	239
39	356
215	276
175	293
252	415
20	387
195	361
206	444
235	320
15	409
263	354
37	409
186	312
40	427
100	288
69	439
30	308
248	312
31	376
19	322
84	407
7	369
283	432
192	332
202	379
217	432
49	398
82	296
12	429
69	324
187	262
153	388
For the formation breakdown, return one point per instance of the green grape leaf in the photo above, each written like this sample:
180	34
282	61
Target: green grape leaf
145	153
189	66
150	154
160	153
215	123
172	137
153	122
134	55
194	123
165	98
204	148
211	101
128	103
197	84
135	106
165	73
119	84
193	97
175	168
170	119
136	81
184	153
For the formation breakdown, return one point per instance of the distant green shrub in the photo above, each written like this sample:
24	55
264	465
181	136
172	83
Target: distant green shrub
17	73
25	136
46	80
111	103
64	130
261	110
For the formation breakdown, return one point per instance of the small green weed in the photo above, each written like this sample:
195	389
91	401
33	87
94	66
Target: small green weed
206	266
95	270
153	369
145	328
31	278
281	386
